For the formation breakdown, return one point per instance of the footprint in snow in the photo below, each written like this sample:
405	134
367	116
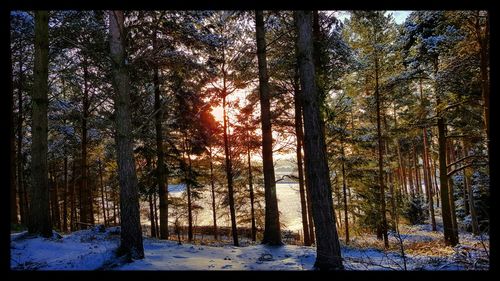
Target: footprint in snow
179	257
227	266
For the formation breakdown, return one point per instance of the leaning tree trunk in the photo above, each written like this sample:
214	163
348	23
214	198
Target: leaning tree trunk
131	235
39	222
328	246
300	136
272	232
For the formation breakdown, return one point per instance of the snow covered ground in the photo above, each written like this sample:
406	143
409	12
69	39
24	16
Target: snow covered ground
93	249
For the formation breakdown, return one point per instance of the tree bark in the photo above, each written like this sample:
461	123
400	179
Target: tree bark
131	235
328	246
14	219
39	222
300	167
272	231
344	189
23	196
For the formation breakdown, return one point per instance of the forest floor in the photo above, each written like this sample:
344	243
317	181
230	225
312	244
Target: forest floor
94	249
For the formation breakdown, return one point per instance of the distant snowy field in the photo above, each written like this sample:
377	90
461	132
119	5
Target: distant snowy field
93	249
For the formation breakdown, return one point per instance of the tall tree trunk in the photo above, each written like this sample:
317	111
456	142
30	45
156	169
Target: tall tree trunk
344	189
152	216
72	195
451	157
328	246
86	195
383	219
188	181
443	180
39	222
483	42
250	186
410	176
161	167
155	206
212	185
56	218
65	196
229	165
427	172
272	231
417	170
300	136
428	181
472	208
131	234
102	193
14	219
23	196
433	175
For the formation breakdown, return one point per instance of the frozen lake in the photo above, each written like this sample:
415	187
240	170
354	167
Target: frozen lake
288	205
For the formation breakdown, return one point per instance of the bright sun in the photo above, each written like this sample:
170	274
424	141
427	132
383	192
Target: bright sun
218	113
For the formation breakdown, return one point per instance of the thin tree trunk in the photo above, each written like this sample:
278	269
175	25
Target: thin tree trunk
102	193
417	171
451	158
344	189
39	222
152	216
131	234
472	208
436	190
72	201
161	167
229	167
328	246
300	136
155	206
312	235
428	181
272	231
212	185
188	189
410	175
65	196
250	186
